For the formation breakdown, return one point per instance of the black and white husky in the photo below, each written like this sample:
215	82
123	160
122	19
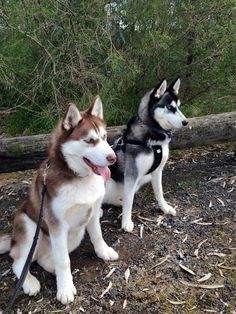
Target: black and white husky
143	150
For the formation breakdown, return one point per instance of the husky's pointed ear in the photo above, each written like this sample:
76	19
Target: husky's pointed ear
96	109
72	117
175	85
160	89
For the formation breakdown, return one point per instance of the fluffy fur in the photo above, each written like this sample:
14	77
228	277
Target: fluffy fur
79	156
146	137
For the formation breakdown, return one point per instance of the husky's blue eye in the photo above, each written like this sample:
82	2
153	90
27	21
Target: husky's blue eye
171	108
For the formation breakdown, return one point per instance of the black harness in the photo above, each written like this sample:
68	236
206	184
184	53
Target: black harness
157	149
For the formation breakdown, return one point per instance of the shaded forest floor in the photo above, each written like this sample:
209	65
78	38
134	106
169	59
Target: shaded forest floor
182	264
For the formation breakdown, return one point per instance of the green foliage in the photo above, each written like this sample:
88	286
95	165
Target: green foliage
53	52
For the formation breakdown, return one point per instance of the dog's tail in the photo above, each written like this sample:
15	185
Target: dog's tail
5	243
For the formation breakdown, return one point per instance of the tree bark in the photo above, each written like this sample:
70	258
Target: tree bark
21	153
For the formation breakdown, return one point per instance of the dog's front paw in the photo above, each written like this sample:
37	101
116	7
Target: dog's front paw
66	294
128	225
167	209
31	285
107	253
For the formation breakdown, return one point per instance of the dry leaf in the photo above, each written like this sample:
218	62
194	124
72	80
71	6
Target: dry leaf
159	220
141	231
127	274
94	299
161	262
185	238
124	304
189	284
196	221
205	278
144	218
227	267
220	200
176	302
106	290
221	272
217	254
187	269
82	309
210	204
110	272
111	303
178	232
6	272
195	253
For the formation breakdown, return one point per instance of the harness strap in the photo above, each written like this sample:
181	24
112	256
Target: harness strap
157	150
32	249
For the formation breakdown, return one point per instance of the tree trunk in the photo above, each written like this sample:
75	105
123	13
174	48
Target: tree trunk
21	153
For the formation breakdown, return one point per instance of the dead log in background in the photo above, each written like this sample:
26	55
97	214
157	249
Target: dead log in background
21	153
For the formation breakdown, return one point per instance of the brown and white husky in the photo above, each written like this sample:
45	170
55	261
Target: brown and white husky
79	157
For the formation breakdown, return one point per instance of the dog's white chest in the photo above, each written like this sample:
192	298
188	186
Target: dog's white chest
75	201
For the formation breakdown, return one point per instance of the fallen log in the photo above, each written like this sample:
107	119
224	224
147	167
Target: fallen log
21	153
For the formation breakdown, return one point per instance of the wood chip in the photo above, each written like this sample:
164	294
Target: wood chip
204	278
210	204
127	274
110	272
124	304
106	290
210	311
176	302
82	309
187	269
189	284
111	302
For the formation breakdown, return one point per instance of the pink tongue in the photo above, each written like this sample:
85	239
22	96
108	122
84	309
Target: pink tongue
104	172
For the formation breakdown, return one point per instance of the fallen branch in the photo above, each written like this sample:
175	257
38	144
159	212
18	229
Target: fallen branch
21	153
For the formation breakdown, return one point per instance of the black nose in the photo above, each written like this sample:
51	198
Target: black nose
185	122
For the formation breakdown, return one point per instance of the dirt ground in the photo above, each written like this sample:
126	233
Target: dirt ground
182	264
